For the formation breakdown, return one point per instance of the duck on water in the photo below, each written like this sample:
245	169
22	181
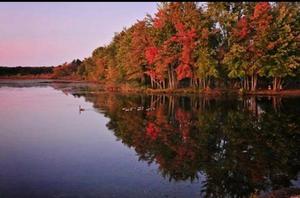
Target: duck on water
81	109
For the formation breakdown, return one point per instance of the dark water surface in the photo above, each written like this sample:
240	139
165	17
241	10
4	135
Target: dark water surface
144	146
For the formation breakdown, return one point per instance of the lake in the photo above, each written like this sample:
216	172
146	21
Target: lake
133	145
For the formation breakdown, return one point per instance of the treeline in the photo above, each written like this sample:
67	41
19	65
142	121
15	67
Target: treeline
216	44
24	71
69	70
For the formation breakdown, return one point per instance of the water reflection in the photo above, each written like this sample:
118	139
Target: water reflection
236	147
243	147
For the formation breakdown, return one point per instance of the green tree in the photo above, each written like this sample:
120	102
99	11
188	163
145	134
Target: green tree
284	45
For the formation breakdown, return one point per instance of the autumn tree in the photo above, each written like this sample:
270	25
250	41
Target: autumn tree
246	55
283	47
141	40
200	46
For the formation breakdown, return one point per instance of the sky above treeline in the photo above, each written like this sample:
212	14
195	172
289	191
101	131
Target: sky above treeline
49	34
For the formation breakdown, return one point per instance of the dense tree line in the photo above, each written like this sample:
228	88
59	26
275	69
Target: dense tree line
216	44
67	69
22	71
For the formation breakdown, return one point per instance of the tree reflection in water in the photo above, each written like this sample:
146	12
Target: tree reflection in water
242	147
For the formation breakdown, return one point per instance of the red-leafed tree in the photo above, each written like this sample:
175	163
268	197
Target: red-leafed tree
246	56
151	53
155	69
260	27
175	38
140	41
228	44
242	29
186	38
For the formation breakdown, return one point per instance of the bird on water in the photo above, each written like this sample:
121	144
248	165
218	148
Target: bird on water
80	108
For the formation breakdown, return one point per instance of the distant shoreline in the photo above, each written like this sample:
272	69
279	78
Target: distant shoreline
120	89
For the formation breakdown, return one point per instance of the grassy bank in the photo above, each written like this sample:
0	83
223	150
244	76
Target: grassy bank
213	92
125	88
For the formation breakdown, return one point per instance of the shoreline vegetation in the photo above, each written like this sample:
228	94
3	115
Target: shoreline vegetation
128	89
215	48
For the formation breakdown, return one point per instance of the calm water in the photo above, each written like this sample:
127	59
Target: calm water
144	146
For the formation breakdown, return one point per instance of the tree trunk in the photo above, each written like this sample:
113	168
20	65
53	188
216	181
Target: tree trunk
276	83
169	78
242	84
246	83
152	85
253	82
174	80
208	82
200	84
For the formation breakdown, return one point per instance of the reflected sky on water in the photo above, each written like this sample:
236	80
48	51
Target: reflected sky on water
143	145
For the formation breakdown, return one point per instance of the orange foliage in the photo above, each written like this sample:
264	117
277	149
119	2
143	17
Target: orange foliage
261	18
151	53
241	30
186	39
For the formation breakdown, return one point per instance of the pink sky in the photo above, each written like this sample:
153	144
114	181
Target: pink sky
46	34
